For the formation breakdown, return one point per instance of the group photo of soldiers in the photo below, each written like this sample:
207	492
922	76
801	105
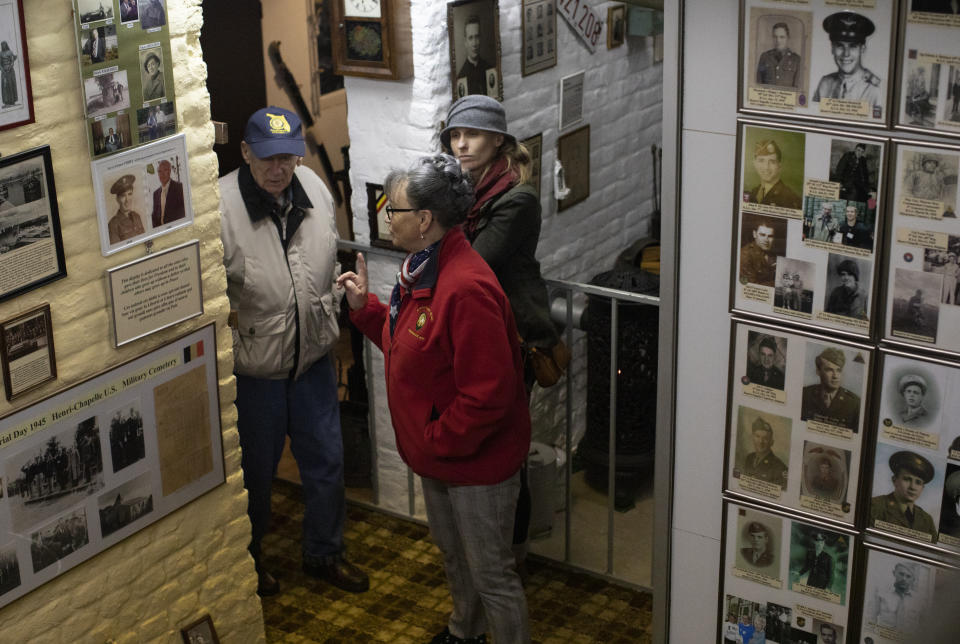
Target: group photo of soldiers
126	438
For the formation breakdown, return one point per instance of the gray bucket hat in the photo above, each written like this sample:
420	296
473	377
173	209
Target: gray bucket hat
476	111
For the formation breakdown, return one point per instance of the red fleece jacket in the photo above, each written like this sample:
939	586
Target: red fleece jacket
453	368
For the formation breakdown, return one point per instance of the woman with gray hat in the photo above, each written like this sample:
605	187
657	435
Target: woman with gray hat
503	225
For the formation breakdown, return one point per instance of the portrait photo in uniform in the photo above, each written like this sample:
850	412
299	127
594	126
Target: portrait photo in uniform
779	619
855	165
907	489
780	49
794	286
928	175
766	359
916	303
474	34
763	239
818	558
833	382
851	79
897	596
921	87
826	472
763	446
949	525
946	262
848	286
772	167
828	633
758	541
911	397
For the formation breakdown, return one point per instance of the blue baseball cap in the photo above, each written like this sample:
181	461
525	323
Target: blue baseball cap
274	130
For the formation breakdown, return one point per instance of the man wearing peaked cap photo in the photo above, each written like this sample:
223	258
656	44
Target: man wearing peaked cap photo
279	248
911	472
828	401
852	81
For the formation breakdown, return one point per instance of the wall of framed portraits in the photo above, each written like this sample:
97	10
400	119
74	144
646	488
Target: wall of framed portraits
95	479
827	320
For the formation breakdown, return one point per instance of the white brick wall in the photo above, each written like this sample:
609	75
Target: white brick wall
393	123
194	561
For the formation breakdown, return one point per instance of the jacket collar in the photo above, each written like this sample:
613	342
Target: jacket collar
261	203
428	279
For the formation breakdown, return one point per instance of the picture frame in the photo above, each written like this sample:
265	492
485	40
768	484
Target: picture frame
27	354
928	75
571	99
916	405
923	246
785	574
534	145
16	93
377	202
31	244
130	183
155	292
789	65
616	25
573	151
134	443
201	631
784	447
371	39
809	203
481	75
539	36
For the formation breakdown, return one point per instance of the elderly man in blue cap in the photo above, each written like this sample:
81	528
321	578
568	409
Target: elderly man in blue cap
279	248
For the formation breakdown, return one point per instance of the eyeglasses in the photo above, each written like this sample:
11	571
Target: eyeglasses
391	210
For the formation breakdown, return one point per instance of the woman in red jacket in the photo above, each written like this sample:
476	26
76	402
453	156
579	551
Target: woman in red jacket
456	394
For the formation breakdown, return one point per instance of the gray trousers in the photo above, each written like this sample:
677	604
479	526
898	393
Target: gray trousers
473	527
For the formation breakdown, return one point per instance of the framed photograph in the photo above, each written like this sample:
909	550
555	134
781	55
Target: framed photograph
817	60
142	193
924	592
16	96
539	31
26	350
807	223
474	33
377	203
786	579
928	80
616	25
786	445
571	100
98	45
917	435
921	283
534	145
200	632
155	292
573	151
94	463
31	246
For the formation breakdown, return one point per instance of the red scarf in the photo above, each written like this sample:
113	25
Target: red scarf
496	180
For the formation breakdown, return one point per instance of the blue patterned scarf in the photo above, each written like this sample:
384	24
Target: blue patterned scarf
407	276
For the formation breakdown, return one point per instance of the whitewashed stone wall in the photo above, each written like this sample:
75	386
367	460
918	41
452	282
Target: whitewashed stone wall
392	123
194	561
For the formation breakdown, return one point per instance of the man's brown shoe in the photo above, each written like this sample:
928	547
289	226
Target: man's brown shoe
340	573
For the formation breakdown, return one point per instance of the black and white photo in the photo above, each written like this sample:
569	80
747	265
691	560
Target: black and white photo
123	505
474	34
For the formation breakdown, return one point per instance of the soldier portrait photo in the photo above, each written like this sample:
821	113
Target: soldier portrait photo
851	80
772	167
766	359
920	90
848	286
855	165
780	49
907	490
762	240
818	558
794	287
836	378
826	472
916	303
763	446
912	398
758	542
929	175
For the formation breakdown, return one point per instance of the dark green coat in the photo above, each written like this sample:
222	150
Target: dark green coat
508	230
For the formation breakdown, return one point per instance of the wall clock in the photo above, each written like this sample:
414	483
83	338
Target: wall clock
372	38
